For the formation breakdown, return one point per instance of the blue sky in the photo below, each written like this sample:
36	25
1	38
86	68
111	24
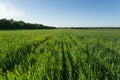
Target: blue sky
63	13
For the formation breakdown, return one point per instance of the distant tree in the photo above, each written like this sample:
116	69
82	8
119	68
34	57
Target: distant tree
12	24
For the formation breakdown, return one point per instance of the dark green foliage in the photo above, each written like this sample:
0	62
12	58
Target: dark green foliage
11	24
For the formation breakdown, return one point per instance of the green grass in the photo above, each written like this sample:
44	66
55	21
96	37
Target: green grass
60	54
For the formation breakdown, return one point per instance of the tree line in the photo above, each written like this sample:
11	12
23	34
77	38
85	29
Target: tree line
13	24
89	27
95	27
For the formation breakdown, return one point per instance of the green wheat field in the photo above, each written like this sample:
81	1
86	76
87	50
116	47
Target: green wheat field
60	54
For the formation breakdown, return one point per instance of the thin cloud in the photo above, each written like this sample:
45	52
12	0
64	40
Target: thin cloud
8	10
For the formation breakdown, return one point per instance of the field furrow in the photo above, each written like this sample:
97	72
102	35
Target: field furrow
60	55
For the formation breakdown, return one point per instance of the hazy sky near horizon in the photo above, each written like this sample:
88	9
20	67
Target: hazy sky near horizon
63	13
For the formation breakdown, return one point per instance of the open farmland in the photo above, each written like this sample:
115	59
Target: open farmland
60	54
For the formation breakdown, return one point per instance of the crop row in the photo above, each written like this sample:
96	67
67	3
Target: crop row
61	55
